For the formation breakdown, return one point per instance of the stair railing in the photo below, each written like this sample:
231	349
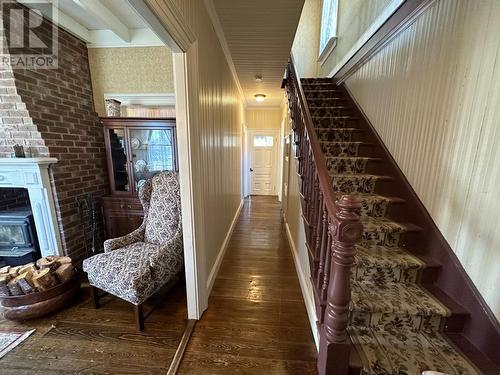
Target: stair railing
332	229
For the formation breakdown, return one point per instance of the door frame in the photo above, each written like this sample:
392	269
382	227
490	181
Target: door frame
248	156
166	21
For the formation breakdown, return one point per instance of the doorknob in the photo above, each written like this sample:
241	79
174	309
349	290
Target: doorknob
251	169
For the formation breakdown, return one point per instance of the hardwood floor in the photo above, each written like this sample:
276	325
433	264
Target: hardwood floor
82	340
256	322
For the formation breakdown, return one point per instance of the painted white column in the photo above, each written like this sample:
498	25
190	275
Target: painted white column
33	175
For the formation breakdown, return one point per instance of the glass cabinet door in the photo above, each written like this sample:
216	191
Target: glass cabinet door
152	151
119	159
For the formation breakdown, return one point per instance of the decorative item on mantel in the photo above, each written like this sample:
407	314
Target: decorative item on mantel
113	108
19	151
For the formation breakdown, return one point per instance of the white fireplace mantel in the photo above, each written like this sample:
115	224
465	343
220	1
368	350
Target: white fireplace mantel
33	175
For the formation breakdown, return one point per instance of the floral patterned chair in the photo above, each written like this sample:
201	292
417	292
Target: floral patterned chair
133	267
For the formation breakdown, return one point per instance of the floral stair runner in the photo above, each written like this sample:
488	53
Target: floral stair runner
394	323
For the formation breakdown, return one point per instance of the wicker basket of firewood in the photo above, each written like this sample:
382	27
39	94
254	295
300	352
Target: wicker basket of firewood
36	289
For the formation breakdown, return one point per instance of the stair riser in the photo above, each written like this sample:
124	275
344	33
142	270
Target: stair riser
339	135
323	94
385	274
423	323
354	166
372	208
331	111
381	237
326	102
321	81
346	165
333	88
332	122
354	184
342	149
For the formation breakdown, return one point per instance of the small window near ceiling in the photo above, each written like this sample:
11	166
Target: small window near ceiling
328	36
263	141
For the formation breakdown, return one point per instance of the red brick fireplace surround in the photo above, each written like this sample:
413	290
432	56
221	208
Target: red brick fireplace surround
51	111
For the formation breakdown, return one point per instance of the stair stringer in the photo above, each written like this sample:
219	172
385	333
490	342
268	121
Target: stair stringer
480	329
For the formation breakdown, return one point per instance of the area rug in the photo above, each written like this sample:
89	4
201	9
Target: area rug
10	339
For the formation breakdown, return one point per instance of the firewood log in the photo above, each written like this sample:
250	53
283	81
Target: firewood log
64	272
14	271
64	260
44	280
4	290
48	262
5	269
14	288
28	267
24	281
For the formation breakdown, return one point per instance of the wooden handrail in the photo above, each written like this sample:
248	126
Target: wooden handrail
325	182
332	229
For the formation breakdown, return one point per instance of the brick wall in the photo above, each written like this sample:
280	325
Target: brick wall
60	103
13	197
16	125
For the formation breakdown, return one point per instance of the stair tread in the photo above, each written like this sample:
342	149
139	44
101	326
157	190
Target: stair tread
359	175
330	106
376	197
337	117
397	351
372	223
351	129
400	298
385	256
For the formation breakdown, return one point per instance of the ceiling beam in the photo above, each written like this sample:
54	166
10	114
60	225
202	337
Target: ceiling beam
98	10
62	20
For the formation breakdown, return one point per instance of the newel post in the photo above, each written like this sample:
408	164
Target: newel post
345	230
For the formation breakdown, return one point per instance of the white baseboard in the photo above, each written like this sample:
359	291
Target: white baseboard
305	286
215	269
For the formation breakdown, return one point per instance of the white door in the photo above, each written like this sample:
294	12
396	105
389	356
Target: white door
263	153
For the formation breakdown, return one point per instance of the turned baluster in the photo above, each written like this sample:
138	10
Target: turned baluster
324	250
318	234
313	209
346	230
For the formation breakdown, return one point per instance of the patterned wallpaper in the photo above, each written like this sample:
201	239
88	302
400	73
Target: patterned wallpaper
130	70
305	46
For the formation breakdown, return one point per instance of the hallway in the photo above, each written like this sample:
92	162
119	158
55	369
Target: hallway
256	322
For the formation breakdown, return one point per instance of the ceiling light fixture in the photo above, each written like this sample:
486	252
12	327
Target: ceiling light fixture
258	78
260	97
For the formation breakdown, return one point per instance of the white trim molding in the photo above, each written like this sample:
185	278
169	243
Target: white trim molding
215	269
163	99
33	175
305	286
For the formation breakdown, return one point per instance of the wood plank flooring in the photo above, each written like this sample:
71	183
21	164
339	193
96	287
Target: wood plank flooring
82	340
256	322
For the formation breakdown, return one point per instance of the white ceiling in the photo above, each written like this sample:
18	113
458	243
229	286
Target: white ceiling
259	36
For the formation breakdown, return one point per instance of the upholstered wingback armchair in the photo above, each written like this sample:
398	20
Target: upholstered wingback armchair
133	267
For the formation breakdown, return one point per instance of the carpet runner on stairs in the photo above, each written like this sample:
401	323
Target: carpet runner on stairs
395	324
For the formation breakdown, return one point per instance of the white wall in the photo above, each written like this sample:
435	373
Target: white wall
433	95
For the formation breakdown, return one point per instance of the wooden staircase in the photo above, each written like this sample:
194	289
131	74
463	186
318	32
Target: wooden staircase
383	276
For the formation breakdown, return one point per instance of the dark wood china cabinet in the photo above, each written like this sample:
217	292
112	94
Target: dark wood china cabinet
136	149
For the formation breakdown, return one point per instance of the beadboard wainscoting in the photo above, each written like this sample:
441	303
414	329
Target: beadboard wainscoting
433	95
